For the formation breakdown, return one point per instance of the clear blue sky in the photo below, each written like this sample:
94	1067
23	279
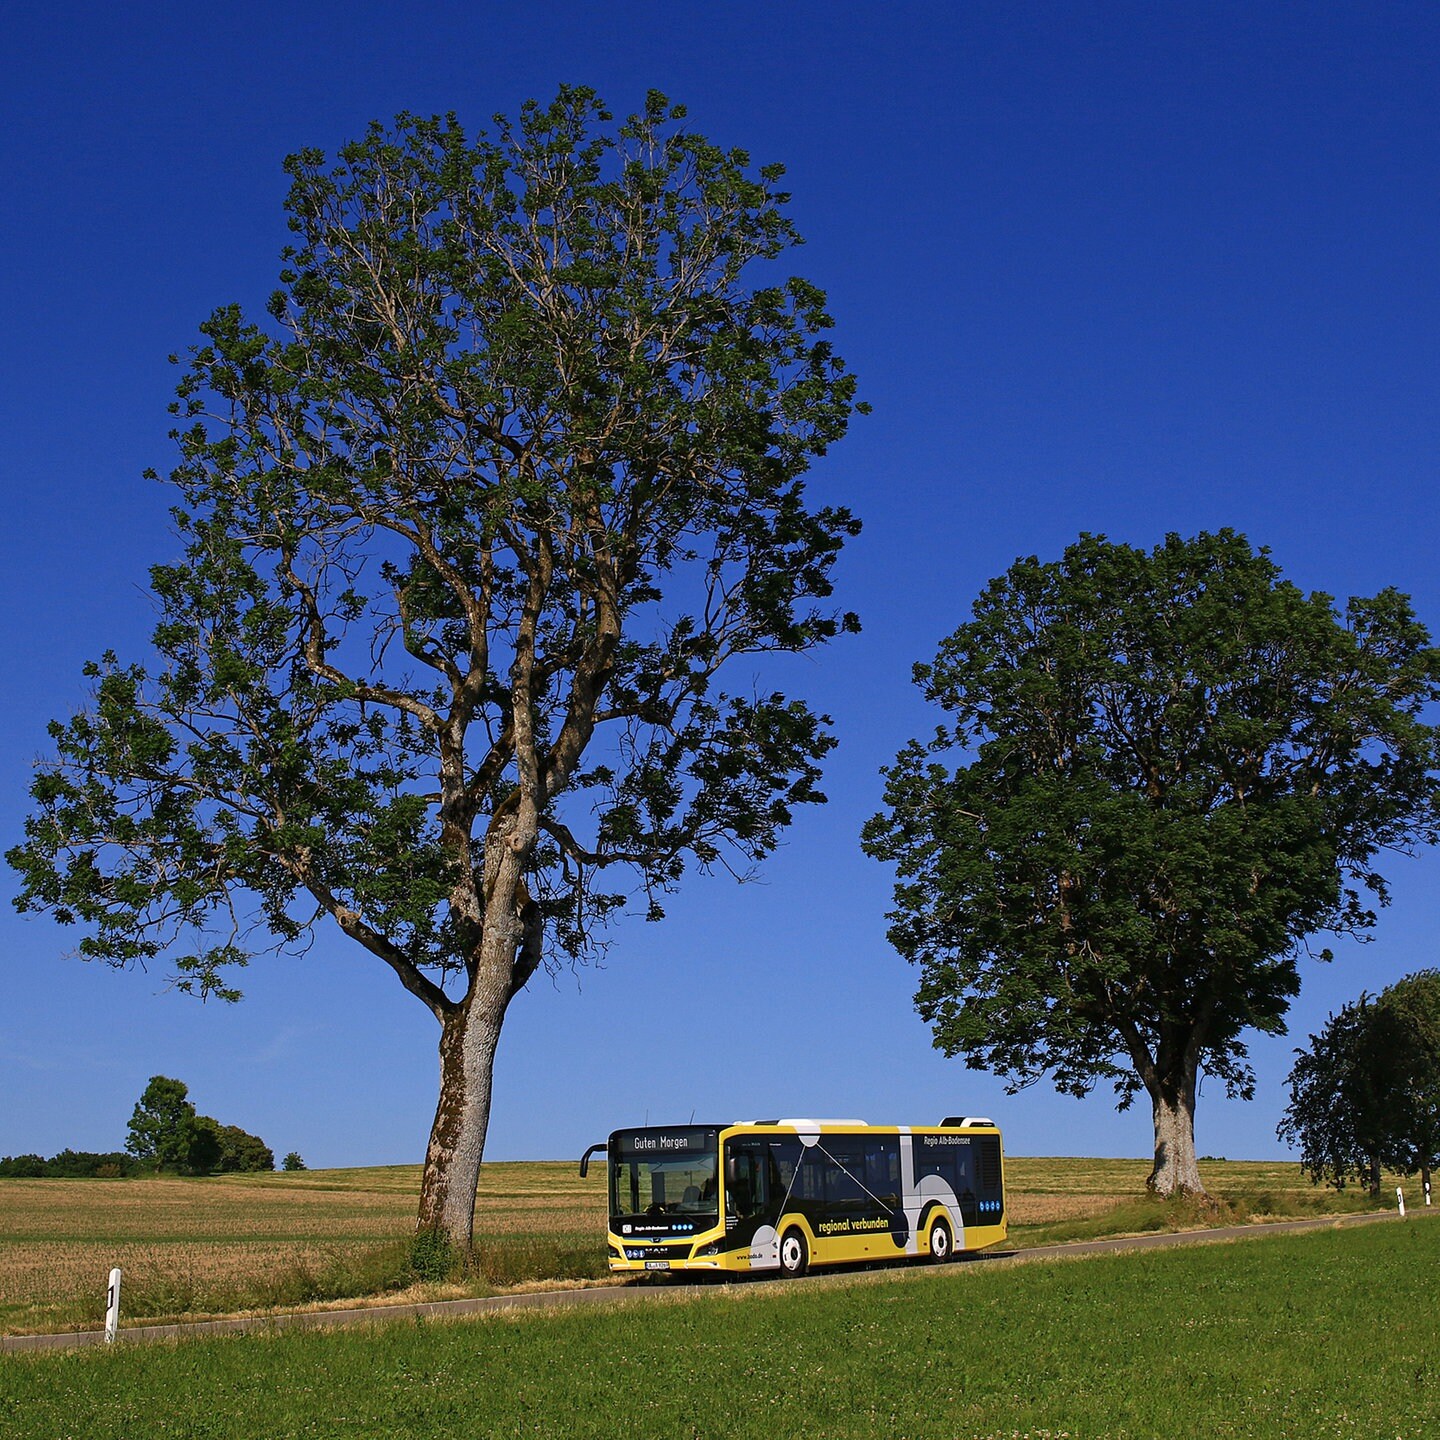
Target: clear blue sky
1127	268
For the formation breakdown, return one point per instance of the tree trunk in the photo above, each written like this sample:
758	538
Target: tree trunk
468	1041
1175	1172
1372	1176
511	933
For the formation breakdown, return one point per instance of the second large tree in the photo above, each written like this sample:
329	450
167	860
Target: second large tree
1162	772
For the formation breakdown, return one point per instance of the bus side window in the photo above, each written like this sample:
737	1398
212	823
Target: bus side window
965	1182
942	1164
785	1167
882	1171
811	1184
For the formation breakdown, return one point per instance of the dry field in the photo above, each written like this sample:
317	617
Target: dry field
232	1243
1044	1192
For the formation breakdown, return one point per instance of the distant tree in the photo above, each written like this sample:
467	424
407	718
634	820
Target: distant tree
1366	1092
1336	1115
293	1162
202	1145
77	1164
162	1125
241	1152
1410	1011
67	1165
471	527
22	1167
1162	773
167	1133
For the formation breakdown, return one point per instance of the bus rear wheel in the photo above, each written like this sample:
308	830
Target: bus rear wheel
794	1255
942	1247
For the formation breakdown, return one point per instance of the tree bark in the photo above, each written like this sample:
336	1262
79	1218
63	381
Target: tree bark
1176	1171
510	949
468	1040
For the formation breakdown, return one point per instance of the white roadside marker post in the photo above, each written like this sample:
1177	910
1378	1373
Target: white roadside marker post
1427	1192
112	1307
1400	1200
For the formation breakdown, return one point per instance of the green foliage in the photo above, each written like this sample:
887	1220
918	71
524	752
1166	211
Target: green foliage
241	1152
163	1126
472	521
293	1161
166	1133
70	1165
1161	773
513	394
1366	1092
202	1145
432	1257
1410	1015
23	1167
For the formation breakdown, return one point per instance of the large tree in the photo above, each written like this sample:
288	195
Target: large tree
1162	771
471	523
1366	1091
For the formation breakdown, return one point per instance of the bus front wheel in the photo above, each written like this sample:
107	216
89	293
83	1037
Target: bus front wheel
794	1255
941	1246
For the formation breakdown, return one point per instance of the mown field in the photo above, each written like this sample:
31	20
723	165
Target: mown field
1327	1334
234	1244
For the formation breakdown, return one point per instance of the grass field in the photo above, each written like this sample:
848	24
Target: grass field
229	1244
1327	1334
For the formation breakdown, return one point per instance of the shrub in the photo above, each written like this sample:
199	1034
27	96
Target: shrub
432	1257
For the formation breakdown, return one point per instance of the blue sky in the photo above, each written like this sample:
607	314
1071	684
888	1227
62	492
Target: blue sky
1108	267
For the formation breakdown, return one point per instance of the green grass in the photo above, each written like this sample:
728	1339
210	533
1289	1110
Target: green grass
1325	1334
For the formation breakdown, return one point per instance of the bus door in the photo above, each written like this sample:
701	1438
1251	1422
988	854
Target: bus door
754	1193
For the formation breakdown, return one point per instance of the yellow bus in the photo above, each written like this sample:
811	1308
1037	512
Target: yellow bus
785	1195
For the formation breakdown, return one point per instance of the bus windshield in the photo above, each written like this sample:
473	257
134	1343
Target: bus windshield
659	1174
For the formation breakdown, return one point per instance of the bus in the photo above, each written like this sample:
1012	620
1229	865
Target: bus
782	1196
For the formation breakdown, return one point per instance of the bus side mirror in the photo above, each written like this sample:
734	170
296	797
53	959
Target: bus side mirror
585	1158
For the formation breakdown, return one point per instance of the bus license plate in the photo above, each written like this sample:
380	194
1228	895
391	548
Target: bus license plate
657	1264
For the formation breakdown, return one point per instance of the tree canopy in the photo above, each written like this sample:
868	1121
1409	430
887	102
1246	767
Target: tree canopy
1366	1092
1162	772
167	1132
471	525
162	1129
